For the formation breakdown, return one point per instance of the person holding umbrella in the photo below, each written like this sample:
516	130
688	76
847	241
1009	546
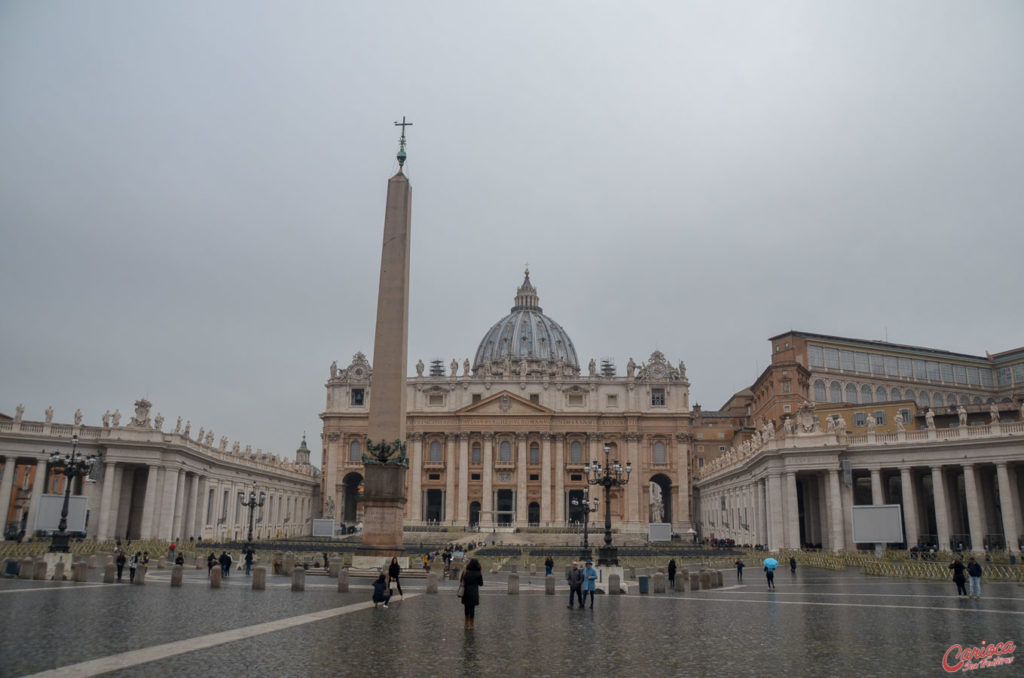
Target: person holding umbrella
769	570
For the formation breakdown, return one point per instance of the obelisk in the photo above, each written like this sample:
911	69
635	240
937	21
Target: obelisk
385	464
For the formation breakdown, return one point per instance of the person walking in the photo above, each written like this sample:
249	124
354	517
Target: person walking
739	569
769	573
792	565
248	561
121	560
472	579
381	594
575	584
974	572
225	563
589	584
133	564
672	574
210	560
180	559
958	576
549	565
394	569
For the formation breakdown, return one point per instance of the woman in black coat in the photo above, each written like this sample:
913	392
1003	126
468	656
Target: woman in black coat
958	577
472	580
394	569
672	572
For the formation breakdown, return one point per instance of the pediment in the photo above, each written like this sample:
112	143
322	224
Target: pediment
505	403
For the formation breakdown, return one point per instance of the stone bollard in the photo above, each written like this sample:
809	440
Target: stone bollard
79	571
215	577
288	565
177	572
343	580
659	582
140	575
109	572
161	564
513	584
513	567
614	586
333	567
108	560
705	579
533	569
694	583
26	568
718	579
433	579
39	569
58	571
259	578
93	562
680	586
298	579
549	585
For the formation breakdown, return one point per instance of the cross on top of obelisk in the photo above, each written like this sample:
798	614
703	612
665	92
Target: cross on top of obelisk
401	142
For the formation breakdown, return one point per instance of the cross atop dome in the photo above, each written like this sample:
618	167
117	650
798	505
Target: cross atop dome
526	295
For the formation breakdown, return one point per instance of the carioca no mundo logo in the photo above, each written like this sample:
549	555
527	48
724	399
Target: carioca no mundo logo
959	658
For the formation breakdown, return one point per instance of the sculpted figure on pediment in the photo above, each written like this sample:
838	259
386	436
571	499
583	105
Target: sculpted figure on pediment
49	414
158	421
961	413
465	367
334	369
116	418
899	422
993	411
78	417
929	419
630	368
419	368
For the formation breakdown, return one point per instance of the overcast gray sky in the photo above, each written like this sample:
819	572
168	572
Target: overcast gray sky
192	193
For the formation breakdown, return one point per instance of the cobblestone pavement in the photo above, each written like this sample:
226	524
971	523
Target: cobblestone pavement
816	623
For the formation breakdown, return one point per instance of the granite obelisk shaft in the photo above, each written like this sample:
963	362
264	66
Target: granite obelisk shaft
384	494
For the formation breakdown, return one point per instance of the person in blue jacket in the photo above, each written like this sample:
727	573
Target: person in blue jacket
380	592
589	583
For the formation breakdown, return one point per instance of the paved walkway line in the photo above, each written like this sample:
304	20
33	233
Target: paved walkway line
59	587
868	605
95	667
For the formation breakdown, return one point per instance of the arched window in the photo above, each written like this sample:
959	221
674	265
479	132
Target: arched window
881	395
865	394
355	451
964	400
925	399
505	451
910	395
435	451
938	400
819	391
659	453
475	454
851	393
896	395
977	400
575	452
534	453
835	392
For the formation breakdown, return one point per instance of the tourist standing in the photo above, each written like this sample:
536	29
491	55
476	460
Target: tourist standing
225	563
769	573
145	561
974	572
133	564
472	580
589	584
575	584
394	569
210	560
170	550
381	594
549	565
958	576
672	573
792	565
739	569
180	560
120	564
248	561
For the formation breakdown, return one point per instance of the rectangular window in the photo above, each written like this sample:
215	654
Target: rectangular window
880	418
435	399
1018	373
700	436
785	387
534	476
972	376
815	356
905	369
476	397
877	364
986	377
721	436
832	358
891	366
1005	376
860	419
575	477
357	397
658	397
919	369
933	370
534	454
535	398
905	413
433	476
960	374
700	462
721	448
947	373
613	400
786	408
846	360
861	361
476	454
575	398
474	476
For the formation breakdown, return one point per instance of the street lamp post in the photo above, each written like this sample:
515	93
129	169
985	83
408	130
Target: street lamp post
587	510
251	502
74	466
612	474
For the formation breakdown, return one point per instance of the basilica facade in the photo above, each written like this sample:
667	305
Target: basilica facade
506	440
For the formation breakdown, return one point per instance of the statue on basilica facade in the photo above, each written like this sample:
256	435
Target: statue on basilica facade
929	419
116	417
961	413
158	421
593	367
177	427
106	419
19	412
188	428
334	369
872	422
993	411
657	506
419	368
830	425
682	370
630	368
465	367
49	414
455	367
899	422
78	417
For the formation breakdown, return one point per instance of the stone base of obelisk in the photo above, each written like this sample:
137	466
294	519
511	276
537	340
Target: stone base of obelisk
383	510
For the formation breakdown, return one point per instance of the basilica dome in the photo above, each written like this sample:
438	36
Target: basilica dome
527	334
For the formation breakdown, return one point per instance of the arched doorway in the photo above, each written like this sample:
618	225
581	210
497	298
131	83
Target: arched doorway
474	513
534	513
434	512
350	510
660	498
506	507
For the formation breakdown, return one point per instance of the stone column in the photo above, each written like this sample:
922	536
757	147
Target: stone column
487	500
203	507
558	500
38	488
909	506
792	512
1006	500
124	481
416	471
941	510
150	509
975	522
104	531
522	503
877	498
776	538
462	512
193	507
836	539
179	505
681	513
822	502
6	487
167	504
449	477
545	479
633	493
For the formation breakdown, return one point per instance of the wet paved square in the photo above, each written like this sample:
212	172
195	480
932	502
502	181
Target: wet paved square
817	623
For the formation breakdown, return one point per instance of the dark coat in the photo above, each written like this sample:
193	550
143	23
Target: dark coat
575	578
671	569
394	570
472	580
974	569
958	572
380	590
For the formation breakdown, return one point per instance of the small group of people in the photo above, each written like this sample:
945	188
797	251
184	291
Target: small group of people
382	587
224	561
581	582
134	562
974	571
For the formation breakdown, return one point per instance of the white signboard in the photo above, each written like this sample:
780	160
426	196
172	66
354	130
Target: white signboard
882	524
659	532
50	506
323	527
